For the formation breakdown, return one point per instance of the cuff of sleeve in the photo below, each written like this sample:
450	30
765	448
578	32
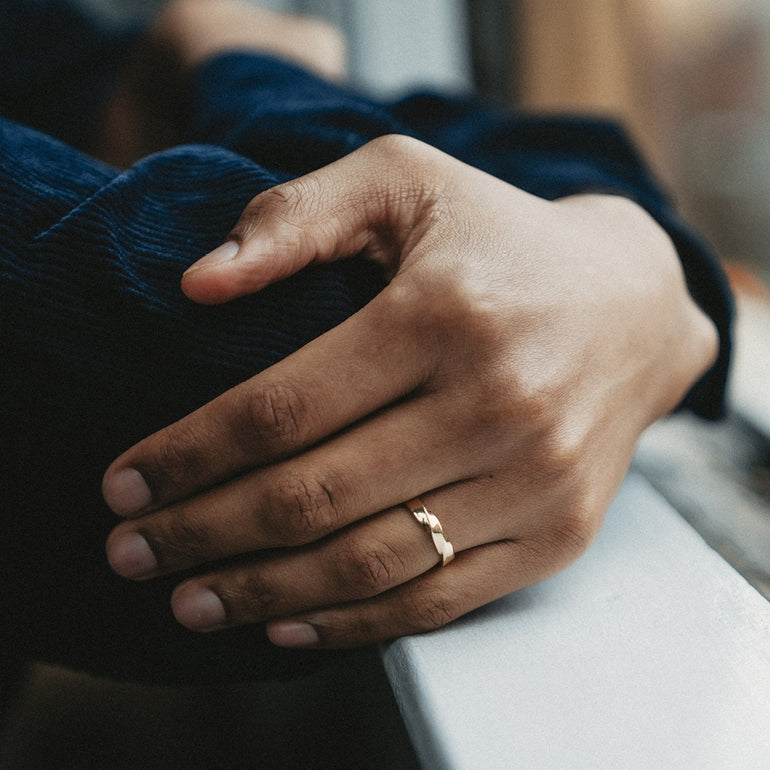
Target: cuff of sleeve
708	285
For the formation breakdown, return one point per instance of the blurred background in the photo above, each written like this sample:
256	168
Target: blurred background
689	79
691	82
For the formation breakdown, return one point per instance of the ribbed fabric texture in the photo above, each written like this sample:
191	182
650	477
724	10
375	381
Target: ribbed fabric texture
100	347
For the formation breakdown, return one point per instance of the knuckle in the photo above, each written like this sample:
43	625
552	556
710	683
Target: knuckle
395	146
402	151
408	170
282	196
289	204
556	448
504	403
525	393
283	202
279	204
276	417
369	568
562	450
568	536
181	542
249	598
306	508
177	461
430	610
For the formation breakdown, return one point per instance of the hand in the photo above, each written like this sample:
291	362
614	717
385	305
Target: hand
503	375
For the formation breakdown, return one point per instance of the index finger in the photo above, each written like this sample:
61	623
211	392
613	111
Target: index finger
362	365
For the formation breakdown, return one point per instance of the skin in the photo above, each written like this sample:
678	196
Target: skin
144	113
196	30
504	375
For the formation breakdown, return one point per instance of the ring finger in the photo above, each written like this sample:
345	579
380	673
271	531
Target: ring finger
363	561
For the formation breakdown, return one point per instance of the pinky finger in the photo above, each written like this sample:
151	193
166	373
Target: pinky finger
476	577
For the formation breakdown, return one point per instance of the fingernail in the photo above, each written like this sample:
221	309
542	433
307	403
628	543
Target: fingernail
224	253
130	556
292	633
126	492
199	609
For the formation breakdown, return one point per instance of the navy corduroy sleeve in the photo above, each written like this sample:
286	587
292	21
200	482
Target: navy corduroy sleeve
99	348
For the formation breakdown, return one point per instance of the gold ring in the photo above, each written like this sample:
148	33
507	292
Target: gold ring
432	524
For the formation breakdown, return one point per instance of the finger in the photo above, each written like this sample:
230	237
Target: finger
430	601
279	412
370	558
363	561
378	464
369	201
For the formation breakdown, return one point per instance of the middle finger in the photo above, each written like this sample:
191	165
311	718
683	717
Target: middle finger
389	458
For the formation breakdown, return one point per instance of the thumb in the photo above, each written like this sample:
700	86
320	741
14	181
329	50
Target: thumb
368	202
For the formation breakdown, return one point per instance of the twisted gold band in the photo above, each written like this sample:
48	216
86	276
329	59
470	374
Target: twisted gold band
433	525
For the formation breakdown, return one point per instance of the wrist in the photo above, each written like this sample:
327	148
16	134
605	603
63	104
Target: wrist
692	344
674	339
